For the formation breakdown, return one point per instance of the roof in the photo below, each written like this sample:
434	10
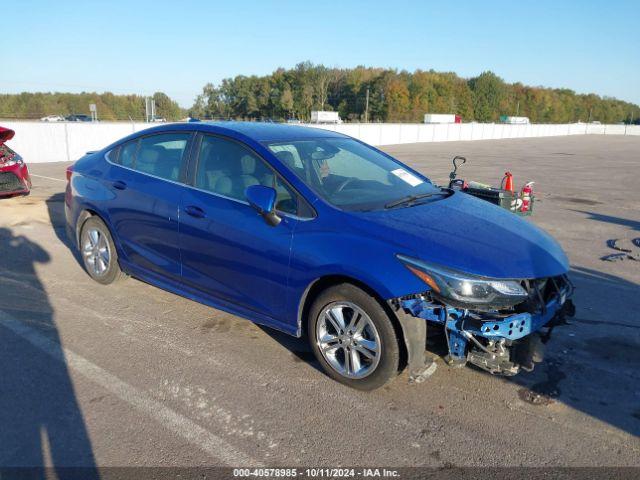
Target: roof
255	131
261	131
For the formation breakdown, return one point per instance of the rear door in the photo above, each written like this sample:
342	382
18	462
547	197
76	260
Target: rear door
145	178
228	250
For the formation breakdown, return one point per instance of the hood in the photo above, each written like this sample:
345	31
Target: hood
6	135
470	235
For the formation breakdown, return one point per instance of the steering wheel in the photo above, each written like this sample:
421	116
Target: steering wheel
344	184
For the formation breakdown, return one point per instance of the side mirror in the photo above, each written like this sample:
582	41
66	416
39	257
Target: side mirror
263	199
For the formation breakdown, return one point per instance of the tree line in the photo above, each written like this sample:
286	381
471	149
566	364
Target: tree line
399	96
358	94
109	106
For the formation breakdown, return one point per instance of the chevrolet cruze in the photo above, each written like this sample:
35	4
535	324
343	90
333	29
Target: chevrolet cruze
317	234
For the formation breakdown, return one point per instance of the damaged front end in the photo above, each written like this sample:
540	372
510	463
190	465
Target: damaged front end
14	174
498	326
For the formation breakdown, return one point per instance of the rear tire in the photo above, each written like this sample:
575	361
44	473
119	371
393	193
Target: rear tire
98	252
353	338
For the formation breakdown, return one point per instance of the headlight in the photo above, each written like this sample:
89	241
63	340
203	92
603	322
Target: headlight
466	290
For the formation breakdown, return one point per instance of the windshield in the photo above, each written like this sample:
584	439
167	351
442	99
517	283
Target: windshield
349	174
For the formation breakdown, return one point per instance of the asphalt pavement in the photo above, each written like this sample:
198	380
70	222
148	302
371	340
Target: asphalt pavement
131	375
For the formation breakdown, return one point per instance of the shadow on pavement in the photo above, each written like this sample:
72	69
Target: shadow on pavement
55	208
299	347
599	217
592	365
40	419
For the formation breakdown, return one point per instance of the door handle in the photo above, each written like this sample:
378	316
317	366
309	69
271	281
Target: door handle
194	211
119	185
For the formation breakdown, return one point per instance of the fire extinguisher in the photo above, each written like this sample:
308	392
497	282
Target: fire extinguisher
507	181
526	194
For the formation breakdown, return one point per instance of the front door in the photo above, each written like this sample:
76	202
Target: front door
228	250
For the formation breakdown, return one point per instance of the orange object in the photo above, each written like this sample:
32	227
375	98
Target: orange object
425	278
507	181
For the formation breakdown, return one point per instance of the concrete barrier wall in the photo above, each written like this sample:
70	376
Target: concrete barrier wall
396	133
40	142
54	142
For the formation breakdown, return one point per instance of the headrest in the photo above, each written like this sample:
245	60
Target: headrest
149	155
247	165
286	158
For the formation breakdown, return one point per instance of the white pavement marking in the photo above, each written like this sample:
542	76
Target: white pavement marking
180	425
48	178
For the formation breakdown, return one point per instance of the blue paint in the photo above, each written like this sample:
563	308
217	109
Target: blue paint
230	258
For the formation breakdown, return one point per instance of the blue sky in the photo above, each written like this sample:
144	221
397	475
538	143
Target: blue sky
141	46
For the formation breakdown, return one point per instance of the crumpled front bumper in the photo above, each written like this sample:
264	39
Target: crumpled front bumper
500	345
14	180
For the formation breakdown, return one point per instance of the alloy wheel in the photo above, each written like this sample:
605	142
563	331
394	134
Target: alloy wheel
348	340
96	251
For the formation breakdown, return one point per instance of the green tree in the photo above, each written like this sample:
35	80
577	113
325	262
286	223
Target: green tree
110	106
286	101
489	93
165	107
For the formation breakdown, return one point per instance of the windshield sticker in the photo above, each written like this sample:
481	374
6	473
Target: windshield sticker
407	177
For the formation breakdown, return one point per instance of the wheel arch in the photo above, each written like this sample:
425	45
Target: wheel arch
322	283
85	215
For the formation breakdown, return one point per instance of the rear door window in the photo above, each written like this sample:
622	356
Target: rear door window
162	155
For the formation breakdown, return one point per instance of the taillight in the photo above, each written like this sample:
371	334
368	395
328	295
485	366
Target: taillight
69	172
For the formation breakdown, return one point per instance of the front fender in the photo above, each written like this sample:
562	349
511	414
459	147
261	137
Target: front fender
369	261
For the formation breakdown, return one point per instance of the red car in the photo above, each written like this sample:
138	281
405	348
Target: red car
14	174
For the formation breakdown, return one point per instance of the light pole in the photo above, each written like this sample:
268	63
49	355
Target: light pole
366	107
150	109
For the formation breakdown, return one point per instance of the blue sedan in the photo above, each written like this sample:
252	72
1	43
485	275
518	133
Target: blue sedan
315	233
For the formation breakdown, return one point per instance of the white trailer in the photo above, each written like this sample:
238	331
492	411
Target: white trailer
514	120
325	117
441	118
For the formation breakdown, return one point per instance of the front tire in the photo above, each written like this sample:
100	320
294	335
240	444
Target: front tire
353	338
99	252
